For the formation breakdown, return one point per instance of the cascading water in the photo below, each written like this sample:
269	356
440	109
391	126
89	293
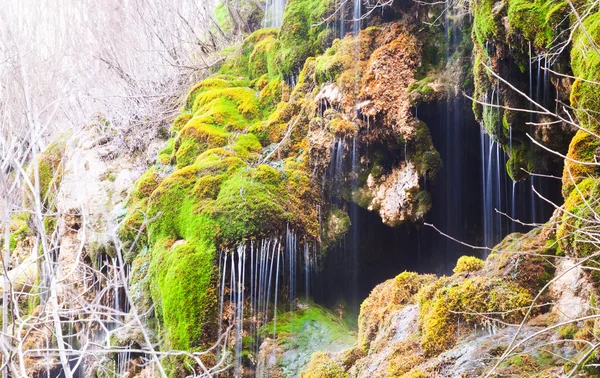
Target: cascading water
356	16
273	13
253	277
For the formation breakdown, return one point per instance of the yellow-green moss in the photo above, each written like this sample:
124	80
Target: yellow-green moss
405	357
19	229
584	147
50	172
166	154
180	121
581	209
271	94
244	98
466	264
585	98
384	299
443	306
416	373
322	365
146	184
262	59
196	137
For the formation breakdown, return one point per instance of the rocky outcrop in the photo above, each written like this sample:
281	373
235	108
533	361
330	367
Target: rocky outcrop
392	195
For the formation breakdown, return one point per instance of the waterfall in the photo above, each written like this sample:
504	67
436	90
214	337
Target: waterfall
306	270
356	16
290	245
341	17
336	170
493	189
273	13
354	227
250	283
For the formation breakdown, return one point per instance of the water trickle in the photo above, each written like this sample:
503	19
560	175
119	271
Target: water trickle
307	265
341	17
273	13
357	15
290	246
493	189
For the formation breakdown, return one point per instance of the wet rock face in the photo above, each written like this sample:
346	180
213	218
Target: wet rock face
311	329
363	141
392	194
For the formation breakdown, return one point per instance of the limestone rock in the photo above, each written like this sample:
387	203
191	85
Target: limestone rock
392	194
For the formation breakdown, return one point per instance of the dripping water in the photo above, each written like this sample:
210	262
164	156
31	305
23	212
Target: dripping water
357	15
273	13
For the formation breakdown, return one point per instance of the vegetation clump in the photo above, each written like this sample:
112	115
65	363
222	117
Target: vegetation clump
442	307
322	365
578	220
467	264
385	298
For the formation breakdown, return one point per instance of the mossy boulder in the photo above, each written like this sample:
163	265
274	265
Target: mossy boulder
578	220
442	307
386	298
309	331
585	98
467	264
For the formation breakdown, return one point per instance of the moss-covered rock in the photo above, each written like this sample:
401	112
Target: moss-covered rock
310	331
302	34
585	98
466	264
386	298
465	300
579	218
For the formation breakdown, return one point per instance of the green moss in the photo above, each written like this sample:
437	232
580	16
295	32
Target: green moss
537	20
166	154
222	17
567	332
302	33
146	184
132	224
485	20
579	217
183	290
423	199
246	145
426	158
422	86
180	121
336	225
466	264
520	160
50	172
304	332
19	229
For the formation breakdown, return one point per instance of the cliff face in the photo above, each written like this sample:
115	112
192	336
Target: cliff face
300	123
297	122
264	143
